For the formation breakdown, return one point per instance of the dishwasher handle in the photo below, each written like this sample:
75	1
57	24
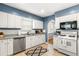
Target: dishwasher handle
19	37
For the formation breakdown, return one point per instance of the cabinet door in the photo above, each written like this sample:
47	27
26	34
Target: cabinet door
37	24
14	21
0	46
11	21
71	17
77	20
42	38
51	27
10	46
33	41
18	21
37	40
78	47
3	20
28	42
26	24
4	47
57	23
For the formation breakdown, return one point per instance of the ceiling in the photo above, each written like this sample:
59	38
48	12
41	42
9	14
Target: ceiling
41	9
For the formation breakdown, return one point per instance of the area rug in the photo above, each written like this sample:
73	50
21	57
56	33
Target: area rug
36	51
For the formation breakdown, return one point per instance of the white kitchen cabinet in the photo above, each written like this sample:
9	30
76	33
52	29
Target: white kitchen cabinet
26	24
57	23
78	46
51	26
10	46
42	38
3	48
71	17
3	20
11	21
77	19
34	40
37	40
28	42
0	47
37	24
18	21
14	21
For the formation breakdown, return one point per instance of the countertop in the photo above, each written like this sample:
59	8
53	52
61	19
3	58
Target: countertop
14	36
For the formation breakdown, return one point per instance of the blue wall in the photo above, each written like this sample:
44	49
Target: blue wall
46	21
18	12
71	10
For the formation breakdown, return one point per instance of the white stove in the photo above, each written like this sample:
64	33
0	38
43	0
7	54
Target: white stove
67	42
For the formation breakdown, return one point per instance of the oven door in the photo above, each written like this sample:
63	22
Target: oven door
71	45
67	45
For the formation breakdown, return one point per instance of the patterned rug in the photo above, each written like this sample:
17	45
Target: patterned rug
36	51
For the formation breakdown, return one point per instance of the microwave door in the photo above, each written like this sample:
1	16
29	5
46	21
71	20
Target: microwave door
67	26
74	26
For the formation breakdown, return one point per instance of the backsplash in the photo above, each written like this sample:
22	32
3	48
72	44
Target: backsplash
8	32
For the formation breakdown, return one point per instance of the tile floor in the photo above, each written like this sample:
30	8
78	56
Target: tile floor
48	53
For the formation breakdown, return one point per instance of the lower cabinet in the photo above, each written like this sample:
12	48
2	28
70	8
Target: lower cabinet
78	46
3	47
6	47
10	47
34	40
28	42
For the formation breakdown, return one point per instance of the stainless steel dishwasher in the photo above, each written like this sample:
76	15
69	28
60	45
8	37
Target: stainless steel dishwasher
18	44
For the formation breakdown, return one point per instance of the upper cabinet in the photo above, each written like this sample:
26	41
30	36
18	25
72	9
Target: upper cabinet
66	18
57	23
3	19
26	24
51	26
37	24
77	19
14	21
9	20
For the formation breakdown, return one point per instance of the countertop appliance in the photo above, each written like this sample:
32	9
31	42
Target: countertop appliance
18	44
68	25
